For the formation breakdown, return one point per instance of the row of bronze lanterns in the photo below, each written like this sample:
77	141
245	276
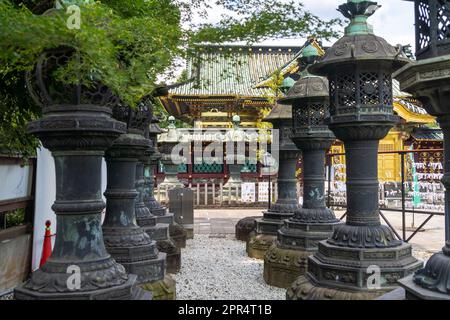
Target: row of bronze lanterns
120	257
362	259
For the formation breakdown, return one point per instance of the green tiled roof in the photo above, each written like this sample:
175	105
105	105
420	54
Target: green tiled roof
234	70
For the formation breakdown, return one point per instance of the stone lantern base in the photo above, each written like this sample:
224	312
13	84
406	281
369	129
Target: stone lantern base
297	240
123	291
257	245
283	266
266	233
160	233
173	254
415	292
164	289
244	227
349	271
178	235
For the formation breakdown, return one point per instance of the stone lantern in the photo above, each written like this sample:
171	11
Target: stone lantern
127	242
245	228
428	79
77	128
362	259
314	222
168	140
266	228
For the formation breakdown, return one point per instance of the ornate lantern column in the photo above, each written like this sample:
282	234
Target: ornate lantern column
266	228
362	259
428	79
169	140
124	240
149	169
164	242
314	222
245	228
77	128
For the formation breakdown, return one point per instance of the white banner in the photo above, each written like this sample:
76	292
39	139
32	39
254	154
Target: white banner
248	192
263	191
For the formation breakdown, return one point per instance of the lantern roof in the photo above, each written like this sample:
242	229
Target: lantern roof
308	87
359	43
154	127
279	112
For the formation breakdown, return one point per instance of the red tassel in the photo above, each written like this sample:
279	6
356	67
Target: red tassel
47	247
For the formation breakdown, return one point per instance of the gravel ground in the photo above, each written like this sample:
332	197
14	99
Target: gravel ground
7	297
422	255
219	269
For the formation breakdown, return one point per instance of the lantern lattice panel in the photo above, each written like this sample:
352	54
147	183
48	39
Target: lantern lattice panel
432	28
423	17
313	114
360	92
443	23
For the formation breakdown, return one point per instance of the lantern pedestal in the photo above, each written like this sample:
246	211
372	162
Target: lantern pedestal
168	141
78	135
429	80
157	231
313	222
343	266
177	233
300	235
124	239
267	227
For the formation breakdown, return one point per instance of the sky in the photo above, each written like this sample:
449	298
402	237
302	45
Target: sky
394	21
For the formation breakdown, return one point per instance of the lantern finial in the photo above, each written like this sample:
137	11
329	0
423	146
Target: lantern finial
358	11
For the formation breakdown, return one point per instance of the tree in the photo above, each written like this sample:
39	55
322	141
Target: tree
129	44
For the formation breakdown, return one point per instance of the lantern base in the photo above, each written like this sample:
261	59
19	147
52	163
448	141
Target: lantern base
416	292
157	232
173	255
165	218
258	245
283	266
44	285
304	288
356	272
432	281
271	222
164	289
244	227
178	235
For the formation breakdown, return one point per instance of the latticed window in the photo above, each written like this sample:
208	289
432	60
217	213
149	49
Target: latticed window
432	27
423	17
360	92
208	168
313	114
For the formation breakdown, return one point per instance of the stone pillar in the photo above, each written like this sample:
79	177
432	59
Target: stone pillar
266	228
77	136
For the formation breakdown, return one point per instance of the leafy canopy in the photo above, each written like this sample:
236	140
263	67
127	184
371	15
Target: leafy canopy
131	45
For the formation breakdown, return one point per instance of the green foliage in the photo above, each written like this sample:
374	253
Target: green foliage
128	44
16	110
14	218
